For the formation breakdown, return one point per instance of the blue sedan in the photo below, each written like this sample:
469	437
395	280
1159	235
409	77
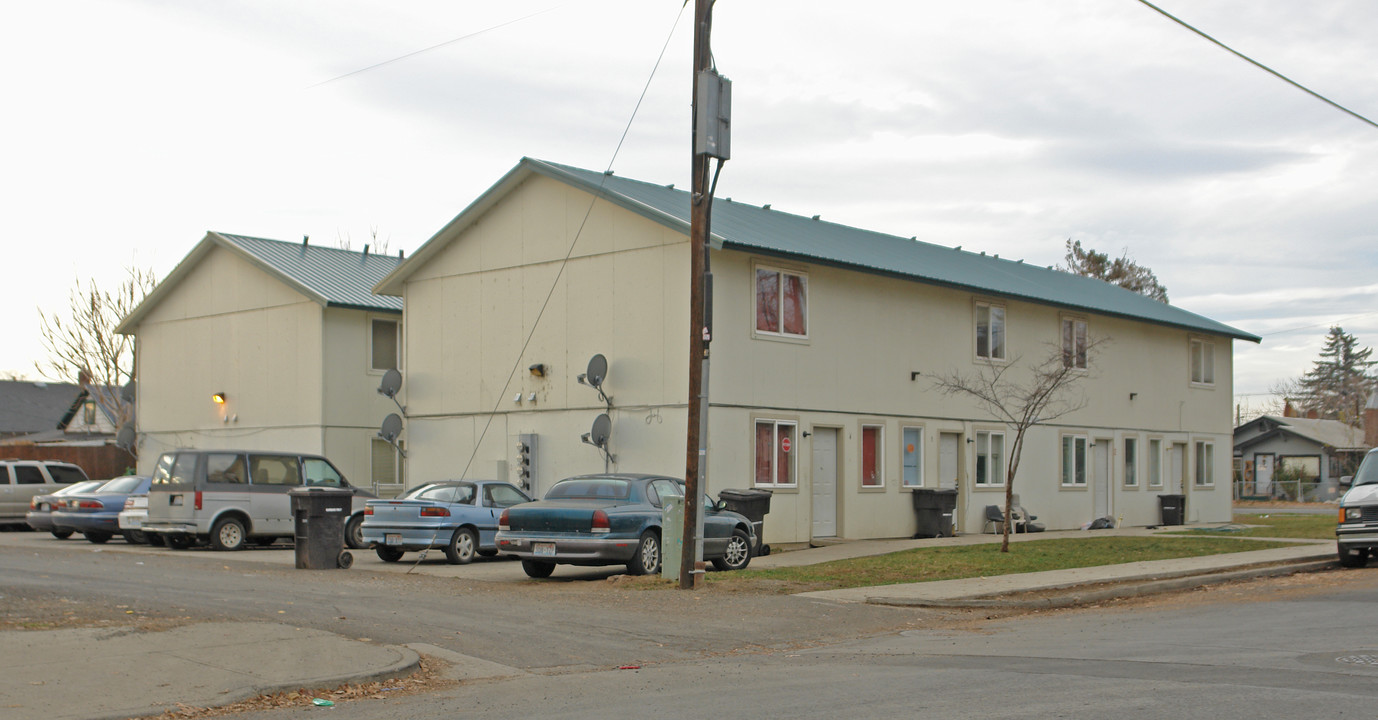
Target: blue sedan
96	514
611	520
460	516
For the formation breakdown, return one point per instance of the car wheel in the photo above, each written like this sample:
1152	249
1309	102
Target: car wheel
354	532
646	561
488	553
99	538
462	547
154	539
61	534
228	534
177	542
135	537
1353	558
537	568
387	554
738	553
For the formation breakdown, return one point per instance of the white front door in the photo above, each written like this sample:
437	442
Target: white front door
1263	474
824	482
948	445
1178	468
1100	476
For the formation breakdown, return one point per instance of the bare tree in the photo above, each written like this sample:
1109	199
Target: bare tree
83	346
1021	396
374	245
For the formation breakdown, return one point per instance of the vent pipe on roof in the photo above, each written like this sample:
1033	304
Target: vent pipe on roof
305	239
366	250
815	217
766	206
400	255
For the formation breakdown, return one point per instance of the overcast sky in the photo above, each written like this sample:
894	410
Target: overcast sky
131	128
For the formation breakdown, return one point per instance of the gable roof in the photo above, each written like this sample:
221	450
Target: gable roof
748	228
29	407
100	399
330	276
1329	433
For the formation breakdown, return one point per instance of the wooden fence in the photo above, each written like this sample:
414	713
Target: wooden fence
99	461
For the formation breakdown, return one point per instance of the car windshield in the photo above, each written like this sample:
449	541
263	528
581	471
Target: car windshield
1368	470
120	485
443	493
594	488
66	474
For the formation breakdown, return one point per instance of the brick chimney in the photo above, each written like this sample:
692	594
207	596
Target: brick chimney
1287	409
1371	420
83	377
1313	414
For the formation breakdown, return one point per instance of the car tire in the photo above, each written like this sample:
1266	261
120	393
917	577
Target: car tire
537	568
135	537
98	537
354	533
738	553
462	547
646	561
228	534
1353	558
154	539
387	554
61	534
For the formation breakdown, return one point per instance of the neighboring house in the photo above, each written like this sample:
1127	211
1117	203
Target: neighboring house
1322	450
28	407
91	414
266	345
823	339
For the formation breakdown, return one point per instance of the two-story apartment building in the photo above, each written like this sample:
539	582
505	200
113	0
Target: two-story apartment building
261	344
825	340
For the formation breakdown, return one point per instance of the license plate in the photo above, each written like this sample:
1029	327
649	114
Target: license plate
543	549
392	539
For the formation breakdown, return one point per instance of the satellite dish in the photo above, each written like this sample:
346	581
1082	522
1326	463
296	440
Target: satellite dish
598	370
602	429
392	382
127	393
125	437
392	427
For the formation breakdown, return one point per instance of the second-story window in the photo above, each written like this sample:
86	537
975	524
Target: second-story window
383	344
990	331
782	304
1203	362
1074	343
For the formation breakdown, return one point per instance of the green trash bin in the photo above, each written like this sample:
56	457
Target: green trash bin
319	515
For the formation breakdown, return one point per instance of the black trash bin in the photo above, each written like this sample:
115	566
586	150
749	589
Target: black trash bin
319	515
1172	508
754	504
934	510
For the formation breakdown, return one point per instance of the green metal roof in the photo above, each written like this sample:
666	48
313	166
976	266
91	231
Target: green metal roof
336	277
749	228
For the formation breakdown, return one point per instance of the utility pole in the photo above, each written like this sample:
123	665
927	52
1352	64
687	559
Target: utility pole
691	568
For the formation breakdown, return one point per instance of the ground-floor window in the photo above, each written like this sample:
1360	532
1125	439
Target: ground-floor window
990	458
1074	460
1131	462
872	456
385	464
911	456
775	451
1155	463
1205	463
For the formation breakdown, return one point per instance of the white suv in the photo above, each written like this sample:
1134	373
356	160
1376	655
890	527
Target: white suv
1357	533
21	480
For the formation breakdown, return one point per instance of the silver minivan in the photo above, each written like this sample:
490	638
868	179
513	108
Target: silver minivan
228	498
22	480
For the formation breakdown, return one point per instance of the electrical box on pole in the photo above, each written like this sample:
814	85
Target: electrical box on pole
713	136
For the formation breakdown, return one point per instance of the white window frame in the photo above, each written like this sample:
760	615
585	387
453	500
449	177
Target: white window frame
999	479
1155	462
780	300
1204	475
1075	345
879	457
1131	462
1069	461
990	309
1201	362
917	454
396	320
776	424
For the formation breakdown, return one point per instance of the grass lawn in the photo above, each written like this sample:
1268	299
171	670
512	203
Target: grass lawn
1275	525
948	563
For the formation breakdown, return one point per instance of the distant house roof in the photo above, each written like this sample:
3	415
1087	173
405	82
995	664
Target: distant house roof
755	229
329	276
1332	434
101	400
29	407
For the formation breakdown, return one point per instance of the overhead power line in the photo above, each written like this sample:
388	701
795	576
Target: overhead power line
1261	66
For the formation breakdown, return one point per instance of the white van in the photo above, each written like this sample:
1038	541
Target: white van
230	497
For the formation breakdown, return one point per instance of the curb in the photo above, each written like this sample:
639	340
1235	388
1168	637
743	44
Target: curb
1149	585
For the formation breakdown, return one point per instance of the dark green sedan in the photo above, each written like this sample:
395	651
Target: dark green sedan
612	520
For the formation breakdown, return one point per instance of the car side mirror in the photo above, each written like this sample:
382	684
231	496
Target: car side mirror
719	506
1347	480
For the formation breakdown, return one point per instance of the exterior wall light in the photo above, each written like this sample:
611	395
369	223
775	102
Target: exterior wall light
538	370
218	398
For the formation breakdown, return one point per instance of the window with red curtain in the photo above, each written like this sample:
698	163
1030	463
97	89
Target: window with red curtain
784	464
781	302
765	446
775	451
767	301
870	456
795	309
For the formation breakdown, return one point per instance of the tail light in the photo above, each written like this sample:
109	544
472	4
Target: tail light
600	522
502	520
435	512
129	503
198	499
90	505
33	504
368	509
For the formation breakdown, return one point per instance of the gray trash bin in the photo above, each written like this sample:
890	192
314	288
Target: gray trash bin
754	504
319	515
1172	508
933	509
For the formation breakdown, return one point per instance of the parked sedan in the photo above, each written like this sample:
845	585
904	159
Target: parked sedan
460	516
614	519
40	515
96	514
131	521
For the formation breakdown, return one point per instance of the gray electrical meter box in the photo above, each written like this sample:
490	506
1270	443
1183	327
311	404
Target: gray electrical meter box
713	136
